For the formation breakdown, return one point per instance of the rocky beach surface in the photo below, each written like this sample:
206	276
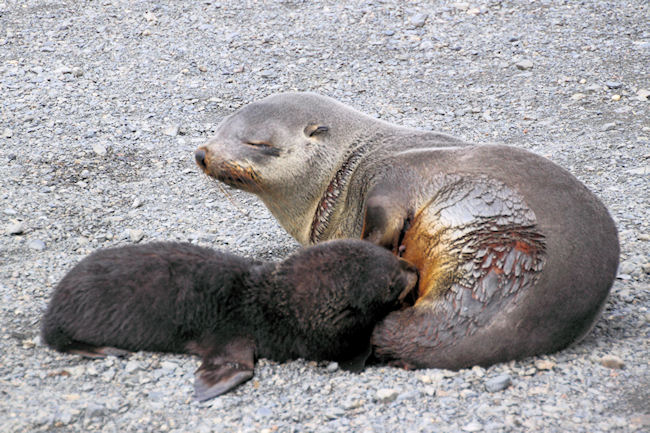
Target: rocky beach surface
102	104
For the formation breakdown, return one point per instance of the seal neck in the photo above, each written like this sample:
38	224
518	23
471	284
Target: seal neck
336	190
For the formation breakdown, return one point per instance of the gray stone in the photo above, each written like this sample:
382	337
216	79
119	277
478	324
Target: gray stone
263	412
95	410
332	367
418	20
524	65
334	412
137	203
643	94
614	84
612	361
36	244
99	149
136	235
498	383
386	395
473	426
171	130
132	366
15	228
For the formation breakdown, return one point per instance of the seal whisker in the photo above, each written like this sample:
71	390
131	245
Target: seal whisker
231	199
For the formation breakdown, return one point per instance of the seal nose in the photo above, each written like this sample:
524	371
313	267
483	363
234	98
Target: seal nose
199	156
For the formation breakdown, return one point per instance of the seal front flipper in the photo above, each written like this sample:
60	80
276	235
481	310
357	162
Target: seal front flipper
386	219
223	367
218	377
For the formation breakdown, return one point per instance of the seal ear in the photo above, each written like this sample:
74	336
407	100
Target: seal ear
315	129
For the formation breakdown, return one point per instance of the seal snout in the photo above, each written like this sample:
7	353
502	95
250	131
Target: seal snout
199	156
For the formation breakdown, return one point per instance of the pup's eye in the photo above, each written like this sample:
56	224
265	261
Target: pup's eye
313	130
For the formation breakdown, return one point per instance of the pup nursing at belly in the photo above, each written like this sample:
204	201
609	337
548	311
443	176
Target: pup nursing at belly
321	303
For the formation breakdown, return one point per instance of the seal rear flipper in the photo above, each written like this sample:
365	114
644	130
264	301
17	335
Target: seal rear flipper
94	352
223	367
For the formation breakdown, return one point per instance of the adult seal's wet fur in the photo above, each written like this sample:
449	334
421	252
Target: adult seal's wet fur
516	256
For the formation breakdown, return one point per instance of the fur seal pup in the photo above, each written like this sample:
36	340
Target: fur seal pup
320	303
516	256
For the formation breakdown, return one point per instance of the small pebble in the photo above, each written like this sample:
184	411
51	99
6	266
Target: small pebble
131	366
544	364
643	94
137	203
136	235
108	375
640	420
473	426
524	65
263	412
36	244
99	149
334	412
15	228
94	410
171	130
386	395
498	383
418	20
332	367
612	361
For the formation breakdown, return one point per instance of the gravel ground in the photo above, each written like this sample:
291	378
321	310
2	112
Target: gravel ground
104	102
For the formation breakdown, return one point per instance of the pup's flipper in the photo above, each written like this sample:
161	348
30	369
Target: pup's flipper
212	381
95	352
358	362
224	367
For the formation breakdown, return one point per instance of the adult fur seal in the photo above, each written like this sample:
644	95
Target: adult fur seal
516	256
320	303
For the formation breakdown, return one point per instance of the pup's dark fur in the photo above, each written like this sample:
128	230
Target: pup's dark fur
320	303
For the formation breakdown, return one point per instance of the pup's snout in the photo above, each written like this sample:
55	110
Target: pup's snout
199	156
410	292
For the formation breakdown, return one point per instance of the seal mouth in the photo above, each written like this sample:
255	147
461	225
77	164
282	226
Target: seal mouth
234	175
332	193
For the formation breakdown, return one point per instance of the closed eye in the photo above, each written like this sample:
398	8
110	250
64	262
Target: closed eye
264	147
258	144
